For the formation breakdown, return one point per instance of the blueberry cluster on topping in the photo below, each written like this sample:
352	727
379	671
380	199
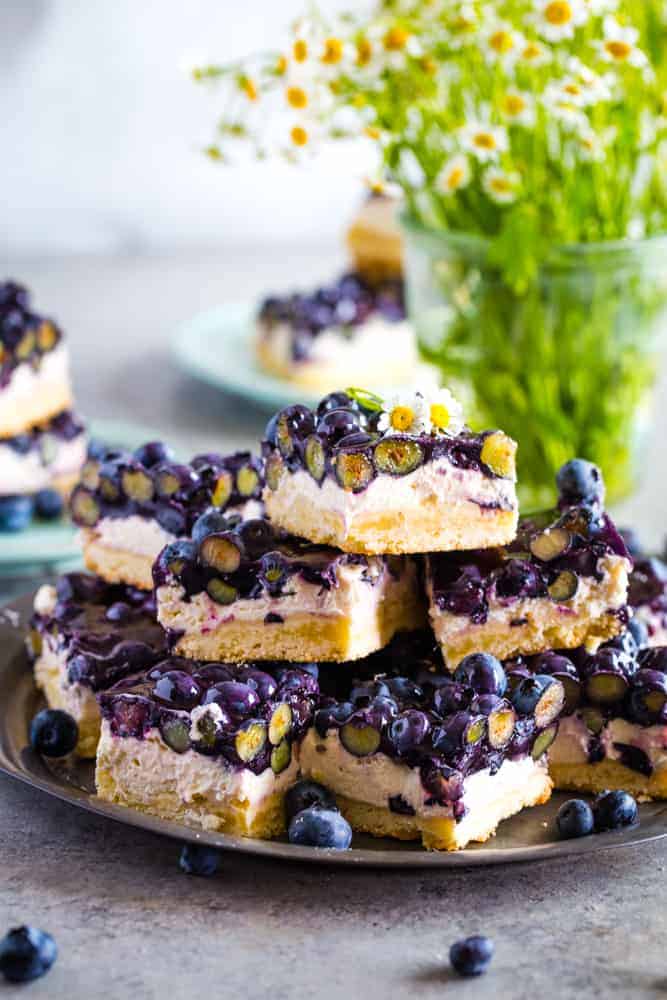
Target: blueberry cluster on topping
248	715
341	440
232	559
45	438
106	630
550	555
447	727
150	483
346	304
648	587
25	336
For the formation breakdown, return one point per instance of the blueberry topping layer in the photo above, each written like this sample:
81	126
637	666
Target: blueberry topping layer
43	439
25	336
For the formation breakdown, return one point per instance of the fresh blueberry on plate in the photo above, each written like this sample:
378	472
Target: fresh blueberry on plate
26	953
471	957
315	827
198	859
574	819
613	810
53	733
48	504
15	513
305	794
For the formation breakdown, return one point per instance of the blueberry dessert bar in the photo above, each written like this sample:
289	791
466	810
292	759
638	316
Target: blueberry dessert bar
562	583
375	240
434	757
346	329
85	635
647	597
130	505
49	455
241	590
401	475
210	745
34	365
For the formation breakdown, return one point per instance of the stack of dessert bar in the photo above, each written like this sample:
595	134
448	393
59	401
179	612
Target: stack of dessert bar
42	442
382	623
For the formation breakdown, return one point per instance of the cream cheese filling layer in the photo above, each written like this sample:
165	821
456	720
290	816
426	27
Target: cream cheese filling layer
28	473
27	382
573	738
377	778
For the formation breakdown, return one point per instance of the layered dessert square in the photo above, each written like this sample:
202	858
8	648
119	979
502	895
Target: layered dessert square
49	455
34	364
85	635
347	329
130	505
562	583
241	590
400	475
210	745
429	757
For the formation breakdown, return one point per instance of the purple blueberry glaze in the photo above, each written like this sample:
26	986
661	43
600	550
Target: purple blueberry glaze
25	336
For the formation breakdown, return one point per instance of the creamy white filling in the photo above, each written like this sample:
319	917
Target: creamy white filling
45	599
377	778
28	473
435	482
572	740
26	381
142	536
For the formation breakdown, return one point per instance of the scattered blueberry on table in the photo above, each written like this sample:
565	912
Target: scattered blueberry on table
198	859
317	827
26	953
472	955
575	819
53	733
15	513
613	810
48	505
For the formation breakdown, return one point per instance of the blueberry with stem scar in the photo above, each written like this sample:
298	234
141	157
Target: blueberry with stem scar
579	481
281	757
153	453
315	458
397	456
482	672
221	591
550	544
222	551
250	740
280	723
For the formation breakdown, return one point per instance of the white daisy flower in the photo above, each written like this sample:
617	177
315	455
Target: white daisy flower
593	86
485	142
619	45
591	145
501	43
564	109
462	27
445	413
534	54
405	412
518	107
501	186
557	20
598	7
454	175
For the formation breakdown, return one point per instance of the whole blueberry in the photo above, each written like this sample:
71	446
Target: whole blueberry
208	523
306	794
315	827
471	957
153	452
53	733
26	953
15	513
612	810
574	819
48	504
198	859
579	481
334	401
483	673
409	730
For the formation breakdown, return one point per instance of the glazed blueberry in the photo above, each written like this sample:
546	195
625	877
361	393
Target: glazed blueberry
450	697
239	699
542	696
152	453
15	513
305	795
316	827
177	688
409	730
561	667
197	859
648	696
405	689
292	424
472	956
118	612
210	522
579	481
459	731
53	733
337	424
574	819
613	810
607	675
334	401
483	673
48	504
26	953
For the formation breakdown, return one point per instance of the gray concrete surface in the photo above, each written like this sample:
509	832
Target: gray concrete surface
130	925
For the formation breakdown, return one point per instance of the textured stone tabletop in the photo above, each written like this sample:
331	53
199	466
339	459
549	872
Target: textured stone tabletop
130	925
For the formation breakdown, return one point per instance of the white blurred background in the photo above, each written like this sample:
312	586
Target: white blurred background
101	130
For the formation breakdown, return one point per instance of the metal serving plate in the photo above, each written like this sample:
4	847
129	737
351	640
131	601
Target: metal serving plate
527	837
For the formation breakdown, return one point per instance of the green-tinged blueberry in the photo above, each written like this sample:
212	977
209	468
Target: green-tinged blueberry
275	469
198	859
53	733
564	587
251	740
315	458
550	544
137	485
359	739
354	470
593	719
247	480
613	810
472	956
499	454
397	456
316	827
221	591
606	688
280	723
305	794
223	552
500	725
84	507
26	953
543	741
574	819
281	757
176	734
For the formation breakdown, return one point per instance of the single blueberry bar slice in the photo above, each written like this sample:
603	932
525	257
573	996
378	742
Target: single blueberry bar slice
212	745
48	455
84	636
130	505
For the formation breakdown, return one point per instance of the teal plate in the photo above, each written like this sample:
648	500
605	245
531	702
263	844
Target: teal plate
48	544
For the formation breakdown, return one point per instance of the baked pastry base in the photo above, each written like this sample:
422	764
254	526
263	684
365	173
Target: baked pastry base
116	565
609	775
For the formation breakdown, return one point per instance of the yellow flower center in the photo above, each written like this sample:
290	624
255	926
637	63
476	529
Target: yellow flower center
501	41
617	49
300	50
462	25
299	136
296	97
572	89
484	140
249	89
372	132
455	178
501	185
532	51
395	39
558	12
333	51
364	52
401	418
281	65
440	416
514	104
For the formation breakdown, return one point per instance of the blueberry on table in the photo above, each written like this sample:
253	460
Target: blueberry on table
471	957
613	810
316	827
48	504
15	513
579	481
574	819
53	733
26	953
197	859
305	794
483	673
